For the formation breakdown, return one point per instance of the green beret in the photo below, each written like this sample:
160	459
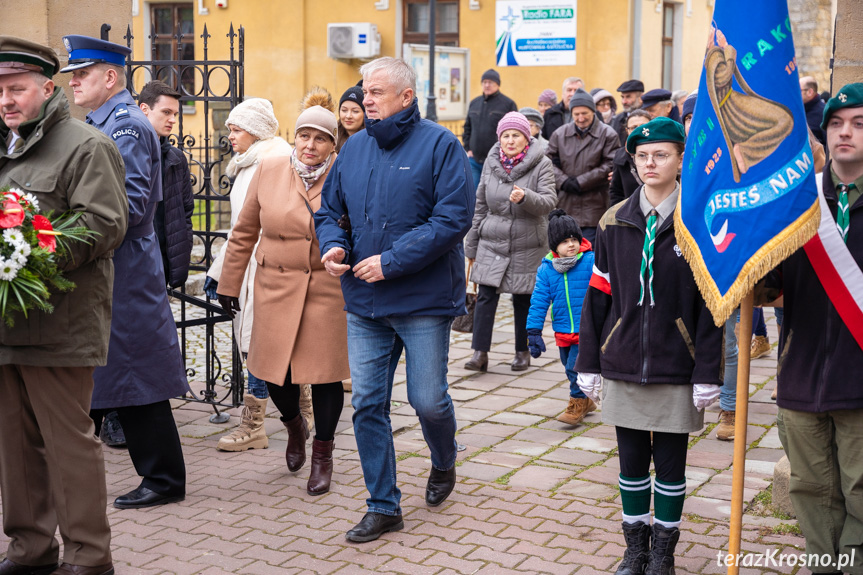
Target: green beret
849	96
661	129
18	55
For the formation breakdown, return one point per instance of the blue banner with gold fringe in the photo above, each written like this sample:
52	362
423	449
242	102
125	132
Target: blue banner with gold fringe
748	194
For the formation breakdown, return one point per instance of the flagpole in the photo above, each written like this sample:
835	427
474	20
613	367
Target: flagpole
740	423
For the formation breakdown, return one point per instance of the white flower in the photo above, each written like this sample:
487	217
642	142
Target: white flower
9	269
21	253
31	199
11	191
13	237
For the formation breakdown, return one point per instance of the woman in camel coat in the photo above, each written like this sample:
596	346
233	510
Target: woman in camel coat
300	330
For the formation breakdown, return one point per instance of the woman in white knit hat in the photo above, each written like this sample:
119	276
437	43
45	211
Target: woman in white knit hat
300	330
253	127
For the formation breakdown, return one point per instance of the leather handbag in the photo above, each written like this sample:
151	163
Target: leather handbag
464	323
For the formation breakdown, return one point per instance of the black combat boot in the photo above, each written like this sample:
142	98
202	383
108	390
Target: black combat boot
661	560
637	537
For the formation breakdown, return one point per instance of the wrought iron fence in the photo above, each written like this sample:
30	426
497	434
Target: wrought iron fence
209	85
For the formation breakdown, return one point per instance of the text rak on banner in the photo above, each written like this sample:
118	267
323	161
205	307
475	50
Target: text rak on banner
749	197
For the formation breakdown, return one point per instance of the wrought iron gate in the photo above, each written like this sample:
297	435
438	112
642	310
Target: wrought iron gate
215	373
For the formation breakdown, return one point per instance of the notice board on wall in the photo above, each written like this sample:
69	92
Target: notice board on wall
452	67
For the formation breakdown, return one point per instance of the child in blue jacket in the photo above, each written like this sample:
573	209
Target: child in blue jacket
561	284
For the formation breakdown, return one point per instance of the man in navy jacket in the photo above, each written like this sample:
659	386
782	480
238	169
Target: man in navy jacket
405	185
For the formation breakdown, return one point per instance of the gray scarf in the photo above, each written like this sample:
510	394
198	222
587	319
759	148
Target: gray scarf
563	265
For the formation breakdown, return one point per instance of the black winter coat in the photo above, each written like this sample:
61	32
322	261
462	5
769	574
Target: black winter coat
618	123
814	115
480	127
554	118
173	219
821	364
674	341
623	181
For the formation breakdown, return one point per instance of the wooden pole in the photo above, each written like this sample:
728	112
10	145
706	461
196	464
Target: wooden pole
740	423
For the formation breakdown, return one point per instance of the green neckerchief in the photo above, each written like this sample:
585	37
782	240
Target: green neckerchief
647	256
853	194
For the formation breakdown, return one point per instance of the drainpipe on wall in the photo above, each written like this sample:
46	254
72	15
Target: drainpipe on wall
635	61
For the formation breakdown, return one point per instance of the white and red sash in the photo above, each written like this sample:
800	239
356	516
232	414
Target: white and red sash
839	274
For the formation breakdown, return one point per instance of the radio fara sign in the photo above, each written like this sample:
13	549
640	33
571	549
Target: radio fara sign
531	33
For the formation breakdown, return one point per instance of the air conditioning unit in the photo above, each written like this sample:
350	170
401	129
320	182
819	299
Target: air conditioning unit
353	40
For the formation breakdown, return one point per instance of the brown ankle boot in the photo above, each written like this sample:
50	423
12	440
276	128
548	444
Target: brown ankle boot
479	361
298	433
521	361
322	467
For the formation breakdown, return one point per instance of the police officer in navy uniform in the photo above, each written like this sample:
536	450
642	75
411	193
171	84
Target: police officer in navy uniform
145	366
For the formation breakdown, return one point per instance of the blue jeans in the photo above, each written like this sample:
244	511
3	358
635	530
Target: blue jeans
780	315
257	387
758	325
476	171
728	393
568	356
374	349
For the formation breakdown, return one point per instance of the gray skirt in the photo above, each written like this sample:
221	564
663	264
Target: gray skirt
657	407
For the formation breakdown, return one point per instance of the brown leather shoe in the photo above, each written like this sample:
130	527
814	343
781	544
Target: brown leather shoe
322	467
521	361
479	361
8	567
298	433
67	569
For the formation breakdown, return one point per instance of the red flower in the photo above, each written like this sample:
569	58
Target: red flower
11	215
45	233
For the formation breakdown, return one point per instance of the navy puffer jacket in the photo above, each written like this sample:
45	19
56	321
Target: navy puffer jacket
405	182
173	220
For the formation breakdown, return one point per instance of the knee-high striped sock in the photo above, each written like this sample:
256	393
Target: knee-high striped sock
668	502
635	496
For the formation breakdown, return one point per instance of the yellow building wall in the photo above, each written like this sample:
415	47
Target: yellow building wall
286	50
695	45
694	42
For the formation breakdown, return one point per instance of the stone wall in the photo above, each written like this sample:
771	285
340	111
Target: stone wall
848	66
47	21
812	24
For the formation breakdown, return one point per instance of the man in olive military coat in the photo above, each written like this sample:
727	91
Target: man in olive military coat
51	469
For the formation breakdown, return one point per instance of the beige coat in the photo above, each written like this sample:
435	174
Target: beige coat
299	309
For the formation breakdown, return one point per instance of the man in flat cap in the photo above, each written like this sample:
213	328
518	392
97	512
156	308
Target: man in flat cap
480	126
630	98
658	104
51	469
819	391
145	366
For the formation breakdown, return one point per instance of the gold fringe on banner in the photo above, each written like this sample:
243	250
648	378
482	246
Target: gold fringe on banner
768	257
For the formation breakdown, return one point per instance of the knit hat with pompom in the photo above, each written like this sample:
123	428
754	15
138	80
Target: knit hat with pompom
561	227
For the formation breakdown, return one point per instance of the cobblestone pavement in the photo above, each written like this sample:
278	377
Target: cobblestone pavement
534	495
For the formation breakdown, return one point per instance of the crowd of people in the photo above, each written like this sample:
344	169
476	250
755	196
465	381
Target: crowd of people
356	240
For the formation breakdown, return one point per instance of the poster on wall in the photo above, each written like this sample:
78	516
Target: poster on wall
535	33
451	74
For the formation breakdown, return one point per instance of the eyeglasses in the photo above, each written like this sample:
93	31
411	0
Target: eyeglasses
660	159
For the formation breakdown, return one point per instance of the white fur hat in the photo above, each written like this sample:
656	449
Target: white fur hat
254	115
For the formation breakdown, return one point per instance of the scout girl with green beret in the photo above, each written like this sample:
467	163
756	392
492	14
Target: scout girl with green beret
647	334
